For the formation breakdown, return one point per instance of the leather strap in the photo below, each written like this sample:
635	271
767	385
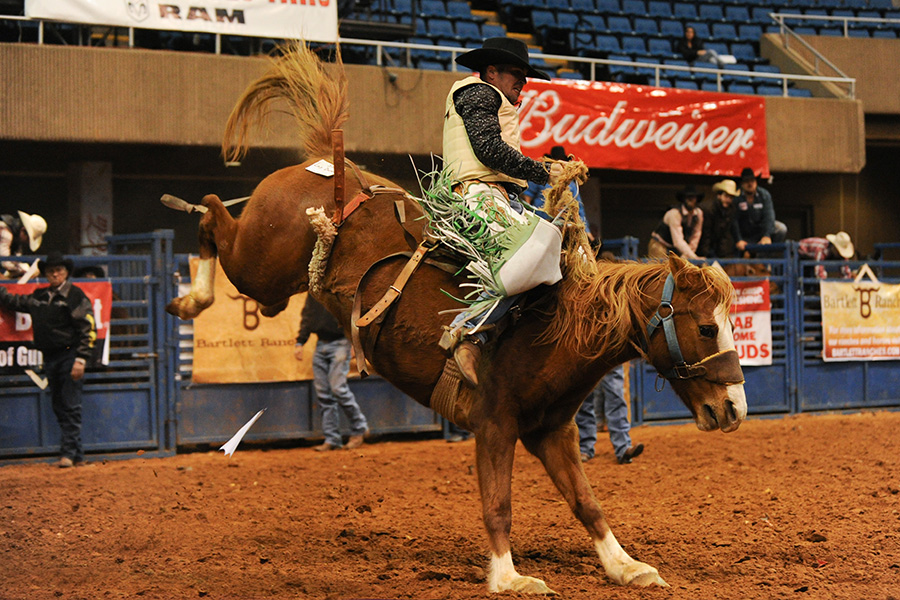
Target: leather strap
396	288
337	144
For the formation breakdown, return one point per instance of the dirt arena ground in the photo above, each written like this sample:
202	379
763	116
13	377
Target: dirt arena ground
802	507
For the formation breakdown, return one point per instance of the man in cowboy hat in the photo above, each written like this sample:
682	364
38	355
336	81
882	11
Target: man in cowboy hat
62	321
680	228
17	234
482	151
754	221
718	218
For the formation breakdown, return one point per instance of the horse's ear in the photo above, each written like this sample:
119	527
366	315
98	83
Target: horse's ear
687	276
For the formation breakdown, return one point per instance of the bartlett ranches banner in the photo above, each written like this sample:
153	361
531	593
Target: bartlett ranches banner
17	351
311	20
234	343
860	320
644	128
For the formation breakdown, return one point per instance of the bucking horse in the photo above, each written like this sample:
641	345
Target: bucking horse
358	248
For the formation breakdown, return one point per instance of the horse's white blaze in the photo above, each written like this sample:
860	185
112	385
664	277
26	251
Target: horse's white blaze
725	342
502	572
203	286
613	557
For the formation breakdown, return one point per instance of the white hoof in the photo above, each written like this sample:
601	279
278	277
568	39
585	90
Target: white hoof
641	575
529	585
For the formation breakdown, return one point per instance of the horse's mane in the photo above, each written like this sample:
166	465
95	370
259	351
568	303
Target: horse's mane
318	101
600	316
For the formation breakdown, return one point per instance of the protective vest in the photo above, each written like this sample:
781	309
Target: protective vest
688	222
458	153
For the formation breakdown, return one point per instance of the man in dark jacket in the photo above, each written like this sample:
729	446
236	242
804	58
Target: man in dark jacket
331	364
718	219
754	221
64	332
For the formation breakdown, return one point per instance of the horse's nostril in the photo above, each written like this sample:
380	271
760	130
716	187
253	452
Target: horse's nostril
710	413
730	412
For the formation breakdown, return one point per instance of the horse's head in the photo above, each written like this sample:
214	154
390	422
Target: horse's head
691	343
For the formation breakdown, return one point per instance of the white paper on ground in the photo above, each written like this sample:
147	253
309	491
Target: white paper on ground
231	445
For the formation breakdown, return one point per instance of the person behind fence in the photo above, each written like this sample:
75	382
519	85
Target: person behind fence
754	221
680	228
331	365
17	234
534	193
692	49
717	239
483	157
831	247
62	320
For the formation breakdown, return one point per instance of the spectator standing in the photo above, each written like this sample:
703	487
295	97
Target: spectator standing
607	398
18	233
331	365
718	220
64	331
482	152
692	49
680	228
754	221
456	433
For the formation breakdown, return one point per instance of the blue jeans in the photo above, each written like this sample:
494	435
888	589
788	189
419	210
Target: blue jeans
331	364
65	394
609	397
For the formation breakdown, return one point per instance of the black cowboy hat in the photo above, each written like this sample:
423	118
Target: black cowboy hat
500	51
687	192
557	153
55	259
89	271
748	175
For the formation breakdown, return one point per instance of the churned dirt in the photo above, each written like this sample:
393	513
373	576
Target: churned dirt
801	507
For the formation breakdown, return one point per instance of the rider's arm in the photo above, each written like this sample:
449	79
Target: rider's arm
478	106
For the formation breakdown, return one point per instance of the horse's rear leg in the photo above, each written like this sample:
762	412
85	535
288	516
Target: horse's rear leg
558	451
217	227
495	450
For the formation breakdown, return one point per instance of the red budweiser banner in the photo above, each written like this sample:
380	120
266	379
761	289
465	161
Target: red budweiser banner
642	128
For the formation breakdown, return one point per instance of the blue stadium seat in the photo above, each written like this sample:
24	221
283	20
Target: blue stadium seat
418	54
760	14
743	51
431	65
402	8
805	30
607	43
686	84
609	7
619	24
489	31
634	45
659	47
835	32
570	75
724	32
671	29
718	47
709	86
567	20
646	27
734	76
881	4
647	71
701	29
468	30
683	10
740	88
634	8
657	8
737	14
432	8
584	6
712	12
750	32
594	22
558	6
459	9
441	28
885	34
619	71
541	19
854	33
766	89
799	93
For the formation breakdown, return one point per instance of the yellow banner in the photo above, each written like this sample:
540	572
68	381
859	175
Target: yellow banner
860	320
233	343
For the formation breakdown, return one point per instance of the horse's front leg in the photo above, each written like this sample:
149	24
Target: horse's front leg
558	451
495	447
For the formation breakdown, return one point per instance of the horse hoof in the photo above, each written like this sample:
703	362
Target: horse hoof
531	585
648	579
185	308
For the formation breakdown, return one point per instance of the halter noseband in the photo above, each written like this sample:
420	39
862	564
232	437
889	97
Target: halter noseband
722	367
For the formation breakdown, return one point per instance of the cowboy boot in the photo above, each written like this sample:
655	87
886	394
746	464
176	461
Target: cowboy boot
467	354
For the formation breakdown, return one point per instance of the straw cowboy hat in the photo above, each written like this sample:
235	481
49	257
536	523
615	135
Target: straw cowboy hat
36	227
728	186
500	51
55	259
841	241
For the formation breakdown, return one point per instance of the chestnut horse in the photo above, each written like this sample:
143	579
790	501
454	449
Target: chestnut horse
532	378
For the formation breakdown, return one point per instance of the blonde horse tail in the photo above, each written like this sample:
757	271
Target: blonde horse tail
317	99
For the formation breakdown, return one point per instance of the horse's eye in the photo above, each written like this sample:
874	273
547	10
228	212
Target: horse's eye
709	331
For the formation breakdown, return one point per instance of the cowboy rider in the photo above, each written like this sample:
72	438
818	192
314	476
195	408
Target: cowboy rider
481	148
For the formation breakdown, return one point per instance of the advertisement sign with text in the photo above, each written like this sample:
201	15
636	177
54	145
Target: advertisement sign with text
642	128
752	315
860	320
